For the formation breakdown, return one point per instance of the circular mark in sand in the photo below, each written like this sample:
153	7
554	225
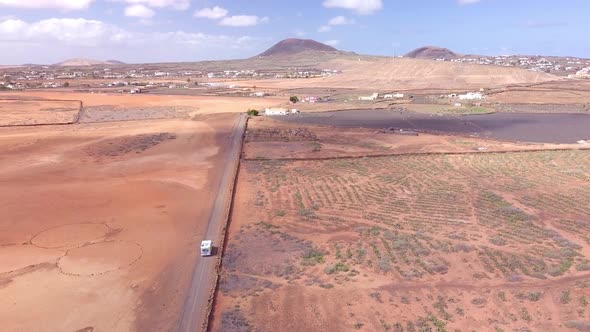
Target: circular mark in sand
72	235
99	258
13	258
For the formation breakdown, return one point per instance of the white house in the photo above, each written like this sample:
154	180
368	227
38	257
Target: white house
393	95
275	111
472	96
374	96
583	73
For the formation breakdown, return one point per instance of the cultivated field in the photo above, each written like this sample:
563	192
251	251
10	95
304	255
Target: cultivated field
99	224
494	242
524	127
37	112
558	92
268	138
190	105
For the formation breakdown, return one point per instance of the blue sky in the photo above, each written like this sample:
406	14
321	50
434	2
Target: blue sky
48	31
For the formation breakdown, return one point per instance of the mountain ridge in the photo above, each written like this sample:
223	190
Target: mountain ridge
294	46
86	62
432	53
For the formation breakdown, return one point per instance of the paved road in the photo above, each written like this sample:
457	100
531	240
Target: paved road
195	307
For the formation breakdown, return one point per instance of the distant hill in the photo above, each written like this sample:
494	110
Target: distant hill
294	46
80	62
115	62
432	52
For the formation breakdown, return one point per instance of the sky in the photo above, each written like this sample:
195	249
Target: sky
138	31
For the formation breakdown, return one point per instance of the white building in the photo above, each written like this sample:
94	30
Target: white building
472	96
374	96
393	95
275	111
583	73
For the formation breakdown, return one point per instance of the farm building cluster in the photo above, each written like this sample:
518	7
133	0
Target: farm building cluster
376	96
274	111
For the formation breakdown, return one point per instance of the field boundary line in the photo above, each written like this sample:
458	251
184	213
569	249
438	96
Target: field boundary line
416	154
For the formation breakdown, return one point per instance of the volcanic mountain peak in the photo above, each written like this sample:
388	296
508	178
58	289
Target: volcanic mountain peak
81	62
115	62
294	46
432	52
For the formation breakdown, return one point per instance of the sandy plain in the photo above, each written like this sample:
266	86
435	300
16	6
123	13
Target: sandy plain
101	221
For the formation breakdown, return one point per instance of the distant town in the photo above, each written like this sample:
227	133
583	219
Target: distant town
109	76
570	67
36	77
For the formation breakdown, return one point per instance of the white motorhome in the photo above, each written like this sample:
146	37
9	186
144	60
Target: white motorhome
206	248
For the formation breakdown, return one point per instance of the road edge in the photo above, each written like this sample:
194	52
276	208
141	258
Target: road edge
236	171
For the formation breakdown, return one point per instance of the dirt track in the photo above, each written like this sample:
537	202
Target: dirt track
542	128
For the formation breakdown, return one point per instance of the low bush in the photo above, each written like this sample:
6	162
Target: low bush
312	257
335	268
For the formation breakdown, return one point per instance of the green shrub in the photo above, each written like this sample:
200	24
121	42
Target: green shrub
335	268
565	297
524	314
312	257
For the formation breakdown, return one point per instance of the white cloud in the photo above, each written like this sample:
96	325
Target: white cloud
467	2
362	7
242	20
47	4
139	11
67	31
11	27
332	42
211	13
221	14
340	20
175	4
53	40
